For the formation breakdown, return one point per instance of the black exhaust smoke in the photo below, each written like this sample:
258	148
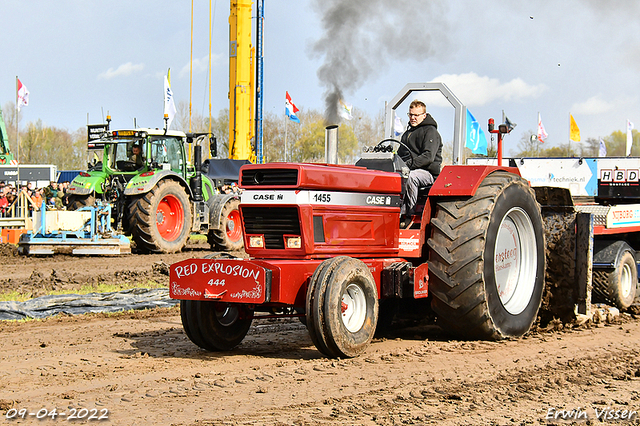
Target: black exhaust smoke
361	36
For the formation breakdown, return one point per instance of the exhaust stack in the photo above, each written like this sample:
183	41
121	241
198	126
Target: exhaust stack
331	144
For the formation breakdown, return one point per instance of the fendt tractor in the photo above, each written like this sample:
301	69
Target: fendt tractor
326	245
6	157
160	198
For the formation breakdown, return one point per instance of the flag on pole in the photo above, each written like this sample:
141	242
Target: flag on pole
169	103
603	149
476	141
22	95
290	109
510	124
574	132
629	137
398	127
344	110
542	133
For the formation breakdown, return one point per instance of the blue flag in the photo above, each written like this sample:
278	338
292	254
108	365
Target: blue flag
476	141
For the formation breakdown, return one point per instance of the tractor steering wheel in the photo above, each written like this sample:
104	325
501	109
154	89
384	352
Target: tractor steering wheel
388	140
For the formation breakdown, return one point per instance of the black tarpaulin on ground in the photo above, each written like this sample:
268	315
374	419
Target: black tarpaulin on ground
75	304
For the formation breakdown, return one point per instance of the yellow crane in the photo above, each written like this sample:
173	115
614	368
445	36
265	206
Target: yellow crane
241	82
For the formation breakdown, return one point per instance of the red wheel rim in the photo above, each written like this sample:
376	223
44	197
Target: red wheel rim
234	231
170	218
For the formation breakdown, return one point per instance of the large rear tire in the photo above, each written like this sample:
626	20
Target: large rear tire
487	260
343	309
226	234
78	201
619	286
161	218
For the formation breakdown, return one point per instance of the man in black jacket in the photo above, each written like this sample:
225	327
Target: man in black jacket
424	160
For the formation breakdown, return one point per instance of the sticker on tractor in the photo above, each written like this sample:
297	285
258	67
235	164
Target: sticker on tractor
409	242
225	280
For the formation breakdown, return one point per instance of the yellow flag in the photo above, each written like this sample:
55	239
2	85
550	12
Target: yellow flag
574	134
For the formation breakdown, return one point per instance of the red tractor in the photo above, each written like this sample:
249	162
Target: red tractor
325	243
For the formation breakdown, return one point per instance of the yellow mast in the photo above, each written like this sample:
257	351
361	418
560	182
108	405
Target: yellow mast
240	82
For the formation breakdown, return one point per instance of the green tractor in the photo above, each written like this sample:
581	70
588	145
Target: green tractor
157	196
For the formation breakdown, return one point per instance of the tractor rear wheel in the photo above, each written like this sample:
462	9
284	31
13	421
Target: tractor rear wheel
226	234
160	220
344	307
78	201
487	260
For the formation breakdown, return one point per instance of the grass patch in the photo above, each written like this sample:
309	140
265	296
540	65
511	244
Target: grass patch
86	289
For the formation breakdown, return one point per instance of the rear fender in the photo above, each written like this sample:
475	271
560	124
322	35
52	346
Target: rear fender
85	185
463	180
142	184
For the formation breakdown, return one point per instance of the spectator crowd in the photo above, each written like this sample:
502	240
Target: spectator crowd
54	195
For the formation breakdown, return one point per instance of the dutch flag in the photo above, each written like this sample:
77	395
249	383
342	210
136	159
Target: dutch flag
290	109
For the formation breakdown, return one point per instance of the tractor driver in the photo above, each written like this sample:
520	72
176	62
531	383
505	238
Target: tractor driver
136	155
424	160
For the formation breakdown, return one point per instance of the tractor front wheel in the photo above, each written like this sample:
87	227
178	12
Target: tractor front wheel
160	220
342	307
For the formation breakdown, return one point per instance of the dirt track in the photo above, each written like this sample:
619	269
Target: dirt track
143	369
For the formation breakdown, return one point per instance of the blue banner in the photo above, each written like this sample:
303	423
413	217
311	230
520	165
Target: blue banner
476	141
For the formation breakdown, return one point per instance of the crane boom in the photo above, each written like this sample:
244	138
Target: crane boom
241	93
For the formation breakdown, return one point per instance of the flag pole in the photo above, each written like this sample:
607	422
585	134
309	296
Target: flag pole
286	126
17	133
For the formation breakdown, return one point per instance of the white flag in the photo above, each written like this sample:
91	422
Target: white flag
23	95
629	137
398	127
603	149
344	110
169	104
542	133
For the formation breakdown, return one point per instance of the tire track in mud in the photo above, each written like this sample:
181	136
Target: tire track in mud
553	392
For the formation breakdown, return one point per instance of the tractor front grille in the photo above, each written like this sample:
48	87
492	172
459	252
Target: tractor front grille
272	222
270	177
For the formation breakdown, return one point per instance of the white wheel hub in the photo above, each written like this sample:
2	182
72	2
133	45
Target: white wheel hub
354	307
626	280
516	260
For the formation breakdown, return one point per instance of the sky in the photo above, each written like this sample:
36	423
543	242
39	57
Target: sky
80	59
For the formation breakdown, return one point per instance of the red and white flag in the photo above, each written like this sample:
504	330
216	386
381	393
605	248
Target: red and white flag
542	133
22	95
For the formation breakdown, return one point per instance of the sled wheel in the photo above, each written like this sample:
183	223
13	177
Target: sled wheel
226	235
487	260
78	201
345	308
161	218
223	325
618	287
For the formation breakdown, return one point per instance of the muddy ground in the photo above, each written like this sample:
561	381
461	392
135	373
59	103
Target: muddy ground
141	369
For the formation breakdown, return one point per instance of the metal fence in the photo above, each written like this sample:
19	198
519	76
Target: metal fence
19	213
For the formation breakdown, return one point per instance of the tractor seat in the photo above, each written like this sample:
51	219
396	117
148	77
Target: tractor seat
423	191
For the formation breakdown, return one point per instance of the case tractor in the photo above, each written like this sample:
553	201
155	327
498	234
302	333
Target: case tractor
326	244
160	198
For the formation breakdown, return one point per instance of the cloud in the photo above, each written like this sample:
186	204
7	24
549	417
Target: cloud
200	65
592	106
123	70
475	90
